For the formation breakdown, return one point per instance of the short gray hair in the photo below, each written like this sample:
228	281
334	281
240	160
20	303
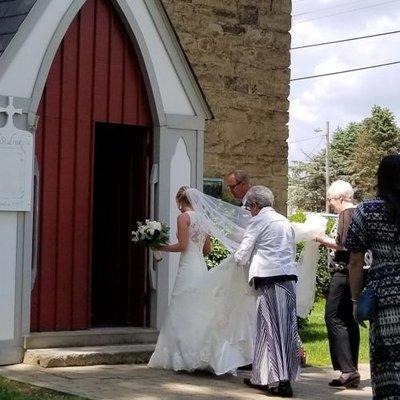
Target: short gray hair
240	175
260	195
341	189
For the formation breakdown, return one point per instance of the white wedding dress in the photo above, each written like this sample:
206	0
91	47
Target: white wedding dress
210	323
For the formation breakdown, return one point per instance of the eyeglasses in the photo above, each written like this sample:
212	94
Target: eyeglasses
248	206
232	187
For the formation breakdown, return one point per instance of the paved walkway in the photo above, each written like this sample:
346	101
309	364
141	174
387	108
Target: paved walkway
127	382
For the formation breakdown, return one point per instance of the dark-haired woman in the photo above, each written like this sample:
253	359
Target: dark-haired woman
376	226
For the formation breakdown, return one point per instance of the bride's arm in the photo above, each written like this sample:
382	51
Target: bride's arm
207	246
183	223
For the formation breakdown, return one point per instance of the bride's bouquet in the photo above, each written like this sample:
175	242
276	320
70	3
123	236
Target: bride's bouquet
151	234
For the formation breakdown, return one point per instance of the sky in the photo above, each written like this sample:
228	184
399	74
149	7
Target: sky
340	99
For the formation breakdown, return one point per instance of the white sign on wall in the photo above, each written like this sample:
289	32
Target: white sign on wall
16	164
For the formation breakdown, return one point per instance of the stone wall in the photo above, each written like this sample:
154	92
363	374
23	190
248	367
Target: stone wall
239	51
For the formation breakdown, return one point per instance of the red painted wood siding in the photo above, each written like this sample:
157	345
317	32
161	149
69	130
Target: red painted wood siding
95	77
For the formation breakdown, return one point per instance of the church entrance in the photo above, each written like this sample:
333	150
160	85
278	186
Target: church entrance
119	292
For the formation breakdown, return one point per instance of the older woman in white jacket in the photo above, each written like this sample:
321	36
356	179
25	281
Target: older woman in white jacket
269	247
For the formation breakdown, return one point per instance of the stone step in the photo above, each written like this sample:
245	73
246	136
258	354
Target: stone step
91	355
90	337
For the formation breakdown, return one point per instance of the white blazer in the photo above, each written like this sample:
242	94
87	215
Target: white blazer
268	245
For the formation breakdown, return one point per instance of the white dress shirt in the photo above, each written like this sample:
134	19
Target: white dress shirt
268	245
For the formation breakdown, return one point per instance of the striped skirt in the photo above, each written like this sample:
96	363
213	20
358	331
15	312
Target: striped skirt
276	352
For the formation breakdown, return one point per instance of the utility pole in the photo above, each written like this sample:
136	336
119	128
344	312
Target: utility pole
327	168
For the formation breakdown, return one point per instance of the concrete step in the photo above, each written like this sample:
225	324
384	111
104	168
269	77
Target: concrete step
90	337
91	355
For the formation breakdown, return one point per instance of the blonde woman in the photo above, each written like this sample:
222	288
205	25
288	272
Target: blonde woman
343	331
209	320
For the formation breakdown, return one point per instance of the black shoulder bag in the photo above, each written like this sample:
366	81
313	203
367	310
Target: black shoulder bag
367	303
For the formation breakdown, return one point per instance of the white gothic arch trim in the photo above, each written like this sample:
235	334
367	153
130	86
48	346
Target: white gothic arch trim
180	175
172	87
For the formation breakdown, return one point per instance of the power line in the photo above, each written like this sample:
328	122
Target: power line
303	140
344	40
328	8
343	12
310	154
345	71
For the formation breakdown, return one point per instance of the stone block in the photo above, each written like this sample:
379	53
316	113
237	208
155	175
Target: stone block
248	15
84	356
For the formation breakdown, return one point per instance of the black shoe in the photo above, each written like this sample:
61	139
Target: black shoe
247	382
352	381
248	367
283	390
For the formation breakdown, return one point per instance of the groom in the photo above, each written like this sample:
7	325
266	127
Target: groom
238	184
268	246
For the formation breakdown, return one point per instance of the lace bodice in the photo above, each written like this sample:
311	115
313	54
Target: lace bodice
197	234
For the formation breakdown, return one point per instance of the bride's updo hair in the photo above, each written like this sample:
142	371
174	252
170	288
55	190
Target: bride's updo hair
181	197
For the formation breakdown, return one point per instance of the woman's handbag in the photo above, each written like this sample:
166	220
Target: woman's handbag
366	305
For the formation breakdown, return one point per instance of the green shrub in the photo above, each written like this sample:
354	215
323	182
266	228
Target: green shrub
323	276
218	253
298	216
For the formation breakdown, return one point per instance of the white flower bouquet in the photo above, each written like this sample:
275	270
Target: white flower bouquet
151	234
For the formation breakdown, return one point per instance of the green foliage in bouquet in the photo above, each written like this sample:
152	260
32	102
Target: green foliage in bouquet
218	253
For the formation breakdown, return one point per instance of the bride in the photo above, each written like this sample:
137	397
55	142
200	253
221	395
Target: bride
210	321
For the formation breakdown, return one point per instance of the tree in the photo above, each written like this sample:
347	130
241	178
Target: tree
355	153
307	178
379	136
307	184
342	152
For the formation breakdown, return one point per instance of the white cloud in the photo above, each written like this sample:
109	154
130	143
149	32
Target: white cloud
302	111
341	98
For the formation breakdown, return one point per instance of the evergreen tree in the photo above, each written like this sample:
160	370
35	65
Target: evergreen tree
355	153
379	137
342	152
307	184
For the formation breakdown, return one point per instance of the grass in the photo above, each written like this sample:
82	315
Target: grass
12	390
315	338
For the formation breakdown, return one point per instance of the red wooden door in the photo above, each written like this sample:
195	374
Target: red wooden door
95	77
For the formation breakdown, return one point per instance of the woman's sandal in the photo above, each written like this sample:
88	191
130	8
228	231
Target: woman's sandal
352	381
